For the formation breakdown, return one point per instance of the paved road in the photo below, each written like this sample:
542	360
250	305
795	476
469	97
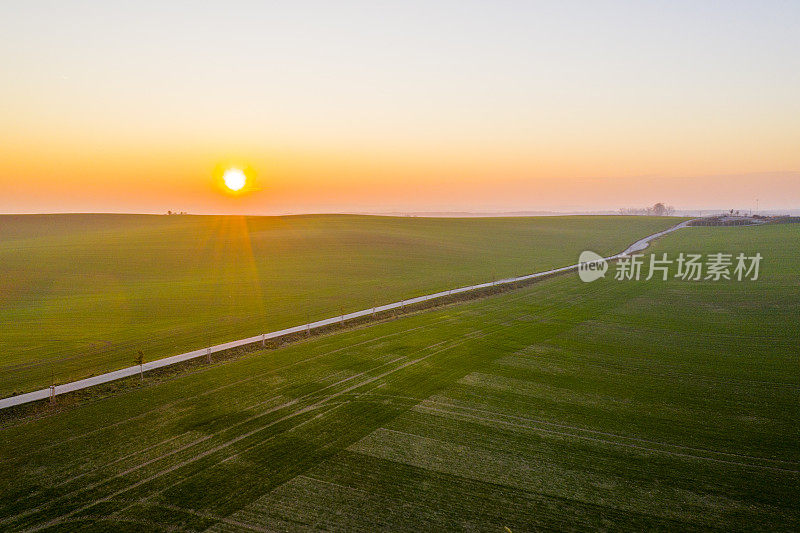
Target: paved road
43	394
640	245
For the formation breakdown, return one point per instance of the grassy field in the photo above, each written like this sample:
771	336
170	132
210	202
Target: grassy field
81	294
624	405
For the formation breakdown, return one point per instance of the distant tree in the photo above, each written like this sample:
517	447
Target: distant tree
659	209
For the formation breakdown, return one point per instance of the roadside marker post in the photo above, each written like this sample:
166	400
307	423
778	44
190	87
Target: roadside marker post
140	362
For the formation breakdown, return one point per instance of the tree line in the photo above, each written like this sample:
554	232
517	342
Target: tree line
658	210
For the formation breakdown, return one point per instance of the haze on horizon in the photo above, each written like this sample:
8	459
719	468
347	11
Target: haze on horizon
411	106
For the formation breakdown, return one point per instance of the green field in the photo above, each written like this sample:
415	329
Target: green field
81	294
612	405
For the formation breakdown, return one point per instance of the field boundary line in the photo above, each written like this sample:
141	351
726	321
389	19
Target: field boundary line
131	371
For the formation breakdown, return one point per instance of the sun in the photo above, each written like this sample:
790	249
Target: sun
234	179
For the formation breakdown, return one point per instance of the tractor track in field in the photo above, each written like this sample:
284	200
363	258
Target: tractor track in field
189	399
532	423
223	387
496	416
200	514
184	447
199	441
224	445
459	340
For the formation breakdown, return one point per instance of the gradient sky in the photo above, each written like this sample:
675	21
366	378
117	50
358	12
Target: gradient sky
382	106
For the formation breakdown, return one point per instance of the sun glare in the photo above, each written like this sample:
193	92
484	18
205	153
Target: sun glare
234	179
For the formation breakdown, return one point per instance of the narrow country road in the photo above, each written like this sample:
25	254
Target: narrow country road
43	394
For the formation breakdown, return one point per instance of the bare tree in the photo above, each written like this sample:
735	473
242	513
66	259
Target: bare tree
659	209
140	361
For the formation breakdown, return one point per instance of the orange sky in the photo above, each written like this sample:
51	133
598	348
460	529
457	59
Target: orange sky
454	107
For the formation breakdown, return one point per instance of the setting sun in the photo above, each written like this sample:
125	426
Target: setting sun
234	179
